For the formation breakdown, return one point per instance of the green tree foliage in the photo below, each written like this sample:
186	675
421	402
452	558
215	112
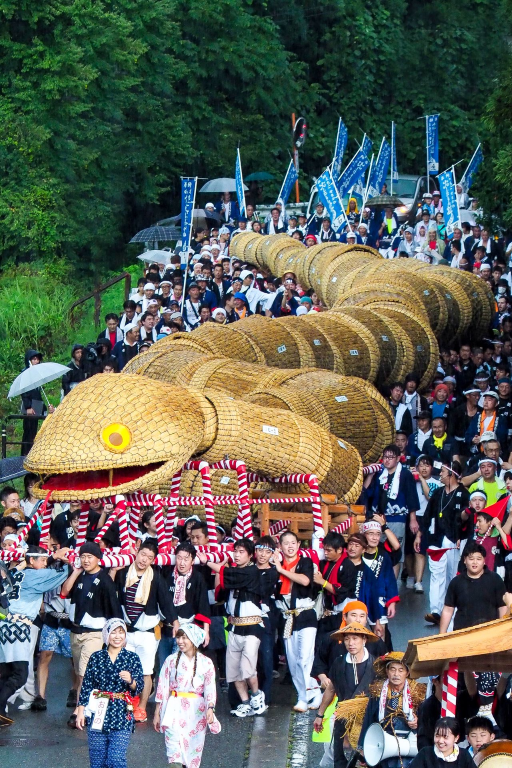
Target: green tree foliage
104	105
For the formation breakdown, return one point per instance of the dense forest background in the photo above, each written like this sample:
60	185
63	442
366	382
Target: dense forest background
103	105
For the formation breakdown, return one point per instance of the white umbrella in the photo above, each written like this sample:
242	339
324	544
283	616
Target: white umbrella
220	185
35	376
157	257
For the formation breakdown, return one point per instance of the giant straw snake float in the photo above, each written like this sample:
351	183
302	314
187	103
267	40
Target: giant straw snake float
288	395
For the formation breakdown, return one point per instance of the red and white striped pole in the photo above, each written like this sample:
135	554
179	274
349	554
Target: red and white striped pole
83	522
449	697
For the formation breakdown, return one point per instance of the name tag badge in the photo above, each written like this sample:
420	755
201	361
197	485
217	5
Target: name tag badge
99	715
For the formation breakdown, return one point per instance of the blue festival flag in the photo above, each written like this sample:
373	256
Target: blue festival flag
394	164
472	168
353	172
239	184
432	134
366	145
339	150
331	199
380	169
288	182
449	198
188	196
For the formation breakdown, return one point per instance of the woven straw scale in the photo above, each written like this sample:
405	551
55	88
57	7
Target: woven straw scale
163	426
356	411
272	363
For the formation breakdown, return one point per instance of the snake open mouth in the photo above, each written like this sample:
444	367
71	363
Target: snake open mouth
97	479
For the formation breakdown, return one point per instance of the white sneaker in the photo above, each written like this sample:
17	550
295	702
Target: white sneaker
258	703
315	702
418	587
24	705
410	582
243	710
301	706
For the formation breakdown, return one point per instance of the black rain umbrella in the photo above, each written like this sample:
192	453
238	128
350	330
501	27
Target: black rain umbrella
259	176
156	234
384	201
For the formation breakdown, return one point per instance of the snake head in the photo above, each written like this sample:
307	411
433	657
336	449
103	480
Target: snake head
116	434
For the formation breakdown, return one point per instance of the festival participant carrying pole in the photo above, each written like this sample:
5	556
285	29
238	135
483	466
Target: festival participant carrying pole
339	149
432	144
394	165
472	168
239	184
188	198
447	185
288	182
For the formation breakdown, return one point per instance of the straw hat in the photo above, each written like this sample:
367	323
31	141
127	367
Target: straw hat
382	662
354	628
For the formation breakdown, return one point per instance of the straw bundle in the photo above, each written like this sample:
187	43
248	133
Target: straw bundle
277	346
280	252
274	442
355	409
241	242
289	399
426	350
353	341
164	426
386	334
352	712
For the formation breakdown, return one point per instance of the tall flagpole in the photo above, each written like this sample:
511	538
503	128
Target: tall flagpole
469	164
426	149
392	153
365	196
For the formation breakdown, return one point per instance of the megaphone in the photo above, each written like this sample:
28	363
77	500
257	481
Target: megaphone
379	745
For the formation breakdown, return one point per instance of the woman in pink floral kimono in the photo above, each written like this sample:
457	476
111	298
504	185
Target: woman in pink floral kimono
186	697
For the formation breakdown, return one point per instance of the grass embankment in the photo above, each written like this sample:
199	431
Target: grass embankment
35	301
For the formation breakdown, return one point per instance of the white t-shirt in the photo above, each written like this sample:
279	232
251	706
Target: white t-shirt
432	484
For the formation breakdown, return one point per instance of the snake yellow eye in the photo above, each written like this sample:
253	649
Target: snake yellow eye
116	437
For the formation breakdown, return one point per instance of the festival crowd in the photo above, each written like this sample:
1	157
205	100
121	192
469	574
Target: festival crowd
441	498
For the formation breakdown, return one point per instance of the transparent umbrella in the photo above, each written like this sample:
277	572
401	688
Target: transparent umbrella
220	185
35	376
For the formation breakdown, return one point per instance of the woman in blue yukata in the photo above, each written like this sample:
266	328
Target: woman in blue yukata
112	678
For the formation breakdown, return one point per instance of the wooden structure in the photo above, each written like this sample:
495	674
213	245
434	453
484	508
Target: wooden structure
483	648
299	516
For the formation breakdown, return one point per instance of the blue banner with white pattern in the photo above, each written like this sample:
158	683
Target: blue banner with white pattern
188	196
353	172
331	199
472	168
239	184
432	130
449	198
380	170
339	150
288	182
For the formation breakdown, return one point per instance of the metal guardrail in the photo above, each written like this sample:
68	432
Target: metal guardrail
12	467
96	294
